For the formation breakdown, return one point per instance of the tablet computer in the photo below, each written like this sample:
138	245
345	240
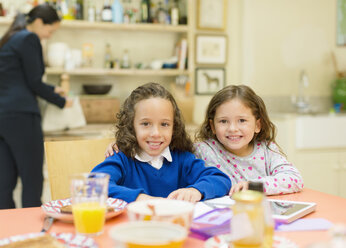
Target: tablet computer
288	211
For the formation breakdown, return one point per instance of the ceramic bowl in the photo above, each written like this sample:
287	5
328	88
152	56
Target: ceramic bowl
145	234
174	211
99	89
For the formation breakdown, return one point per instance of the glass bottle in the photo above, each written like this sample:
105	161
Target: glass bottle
247	223
106	14
117	12
91	13
174	13
145	11
2	13
108	56
161	14
79	9
125	62
268	218
66	10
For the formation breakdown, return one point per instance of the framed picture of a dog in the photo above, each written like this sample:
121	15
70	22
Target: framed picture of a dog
211	49
209	80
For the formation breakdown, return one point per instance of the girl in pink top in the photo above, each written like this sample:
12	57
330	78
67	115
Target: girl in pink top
238	137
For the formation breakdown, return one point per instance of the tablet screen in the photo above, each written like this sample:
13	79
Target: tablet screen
288	211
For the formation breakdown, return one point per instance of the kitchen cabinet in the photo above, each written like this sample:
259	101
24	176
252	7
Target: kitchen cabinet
342	173
322	166
139	36
144	41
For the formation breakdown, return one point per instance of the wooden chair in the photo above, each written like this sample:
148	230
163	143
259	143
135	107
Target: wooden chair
65	158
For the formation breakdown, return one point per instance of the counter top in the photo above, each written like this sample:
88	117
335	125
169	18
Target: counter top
95	131
90	131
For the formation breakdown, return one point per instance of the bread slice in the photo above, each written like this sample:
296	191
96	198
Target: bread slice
46	241
67	209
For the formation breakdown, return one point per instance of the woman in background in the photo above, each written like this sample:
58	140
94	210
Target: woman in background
21	136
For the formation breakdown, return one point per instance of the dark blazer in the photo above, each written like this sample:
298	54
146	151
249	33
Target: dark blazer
21	71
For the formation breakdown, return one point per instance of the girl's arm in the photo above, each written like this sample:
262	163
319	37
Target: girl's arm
209	181
116	168
282	177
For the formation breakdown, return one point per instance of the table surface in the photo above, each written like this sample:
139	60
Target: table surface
330	207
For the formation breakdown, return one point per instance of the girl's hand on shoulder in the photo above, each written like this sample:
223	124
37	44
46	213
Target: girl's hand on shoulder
111	148
244	185
186	194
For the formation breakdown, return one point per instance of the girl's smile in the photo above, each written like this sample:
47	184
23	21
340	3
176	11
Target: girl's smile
235	126
153	124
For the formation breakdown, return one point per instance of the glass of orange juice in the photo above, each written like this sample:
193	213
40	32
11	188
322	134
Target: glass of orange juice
89	193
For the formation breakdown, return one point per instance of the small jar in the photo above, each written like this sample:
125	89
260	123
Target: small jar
248	223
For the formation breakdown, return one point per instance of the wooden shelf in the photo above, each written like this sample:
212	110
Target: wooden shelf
116	72
79	24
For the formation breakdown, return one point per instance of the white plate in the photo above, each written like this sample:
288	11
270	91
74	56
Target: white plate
53	208
223	241
68	239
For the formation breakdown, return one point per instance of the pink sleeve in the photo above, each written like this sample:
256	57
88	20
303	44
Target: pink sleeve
282	177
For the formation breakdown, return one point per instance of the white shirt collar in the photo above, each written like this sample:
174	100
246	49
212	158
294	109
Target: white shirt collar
156	161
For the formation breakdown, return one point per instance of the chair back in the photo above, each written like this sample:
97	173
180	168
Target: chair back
65	158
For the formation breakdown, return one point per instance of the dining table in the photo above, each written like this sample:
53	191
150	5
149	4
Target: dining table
329	207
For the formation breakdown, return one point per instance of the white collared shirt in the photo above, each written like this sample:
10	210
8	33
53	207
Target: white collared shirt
156	161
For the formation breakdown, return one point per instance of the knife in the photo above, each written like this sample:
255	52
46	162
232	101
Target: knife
47	223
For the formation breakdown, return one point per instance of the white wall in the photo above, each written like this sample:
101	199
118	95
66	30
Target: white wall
282	37
271	41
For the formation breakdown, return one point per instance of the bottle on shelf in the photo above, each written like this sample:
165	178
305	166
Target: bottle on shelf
91	13
145	11
117	12
125	62
106	13
79	9
161	14
174	12
108	57
67	10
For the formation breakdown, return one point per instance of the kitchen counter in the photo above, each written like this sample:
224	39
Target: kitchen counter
95	131
90	131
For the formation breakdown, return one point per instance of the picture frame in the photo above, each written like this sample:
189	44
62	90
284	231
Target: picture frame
209	80
211	49
211	14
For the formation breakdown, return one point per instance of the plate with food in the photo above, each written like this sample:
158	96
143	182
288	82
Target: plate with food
52	240
62	209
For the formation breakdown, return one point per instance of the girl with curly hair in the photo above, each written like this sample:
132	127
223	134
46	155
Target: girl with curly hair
155	156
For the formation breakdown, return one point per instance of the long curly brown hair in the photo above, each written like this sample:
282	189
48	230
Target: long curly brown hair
250	99
125	132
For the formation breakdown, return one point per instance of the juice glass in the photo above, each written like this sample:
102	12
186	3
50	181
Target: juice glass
89	193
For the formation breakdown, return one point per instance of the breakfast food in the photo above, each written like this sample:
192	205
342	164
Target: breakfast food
67	209
46	241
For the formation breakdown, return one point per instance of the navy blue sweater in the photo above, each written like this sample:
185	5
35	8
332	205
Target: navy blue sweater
130	177
21	71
